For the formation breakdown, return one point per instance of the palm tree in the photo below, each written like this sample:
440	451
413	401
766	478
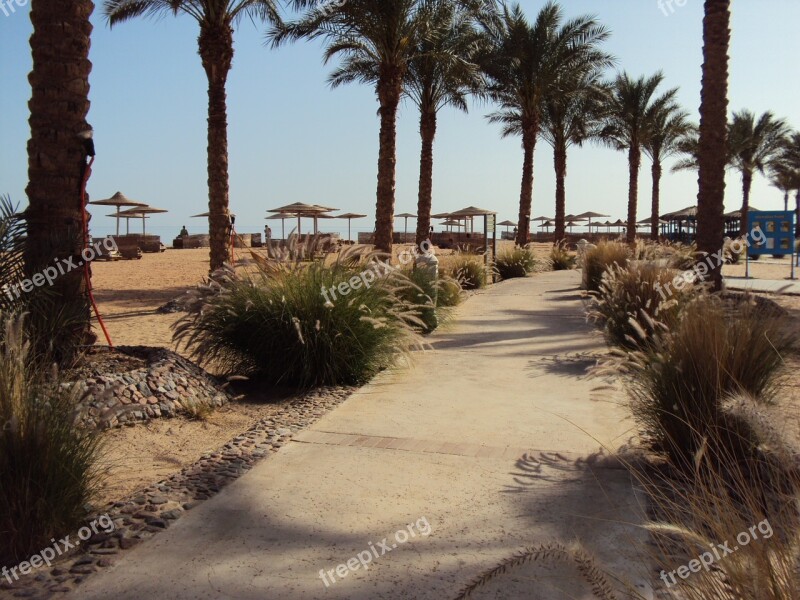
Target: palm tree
754	145
216	19
688	147
441	73
783	177
523	63
57	154
375	39
570	117
629	114
790	163
667	130
713	149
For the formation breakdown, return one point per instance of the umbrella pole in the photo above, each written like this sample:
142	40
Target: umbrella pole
117	221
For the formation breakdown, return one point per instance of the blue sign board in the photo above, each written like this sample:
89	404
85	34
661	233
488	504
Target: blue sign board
770	232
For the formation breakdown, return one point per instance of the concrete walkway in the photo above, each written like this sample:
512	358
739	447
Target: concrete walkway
485	443
768	286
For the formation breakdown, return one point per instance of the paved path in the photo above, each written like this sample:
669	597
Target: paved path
483	443
769	286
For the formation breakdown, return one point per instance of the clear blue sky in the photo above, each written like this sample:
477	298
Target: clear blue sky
293	139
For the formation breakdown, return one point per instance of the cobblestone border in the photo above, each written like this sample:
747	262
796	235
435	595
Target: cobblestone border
155	508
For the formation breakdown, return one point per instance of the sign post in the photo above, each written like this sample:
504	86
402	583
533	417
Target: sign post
490	226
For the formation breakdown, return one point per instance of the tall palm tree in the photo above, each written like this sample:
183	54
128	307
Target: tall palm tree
667	130
441	73
522	63
59	106
790	163
216	19
783	177
754	144
375	40
570	117
629	115
713	149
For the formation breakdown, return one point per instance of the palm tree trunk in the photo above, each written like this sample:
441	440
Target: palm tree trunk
216	52
712	151
530	130
427	130
786	202
59	106
797	212
634	164
747	185
656	208
390	87
560	163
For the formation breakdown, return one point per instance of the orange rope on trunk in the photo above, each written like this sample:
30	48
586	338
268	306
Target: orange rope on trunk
86	272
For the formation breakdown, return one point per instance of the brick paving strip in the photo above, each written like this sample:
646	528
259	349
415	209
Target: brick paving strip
330	438
153	509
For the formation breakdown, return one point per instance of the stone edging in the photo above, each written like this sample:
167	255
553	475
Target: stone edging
153	509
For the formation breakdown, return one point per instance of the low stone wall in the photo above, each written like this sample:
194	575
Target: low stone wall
134	384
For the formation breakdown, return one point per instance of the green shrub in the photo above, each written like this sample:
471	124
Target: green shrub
636	302
515	262
282	322
561	259
717	348
601	257
47	465
469	271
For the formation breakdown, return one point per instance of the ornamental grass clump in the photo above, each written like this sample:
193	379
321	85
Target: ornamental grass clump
636	302
719	347
736	515
305	323
600	258
469	271
48	465
515	262
561	259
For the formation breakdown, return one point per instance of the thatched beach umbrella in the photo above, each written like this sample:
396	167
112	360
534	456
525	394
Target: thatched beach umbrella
405	216
507	224
350	217
591	215
127	221
300	210
142	213
119	200
283	223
